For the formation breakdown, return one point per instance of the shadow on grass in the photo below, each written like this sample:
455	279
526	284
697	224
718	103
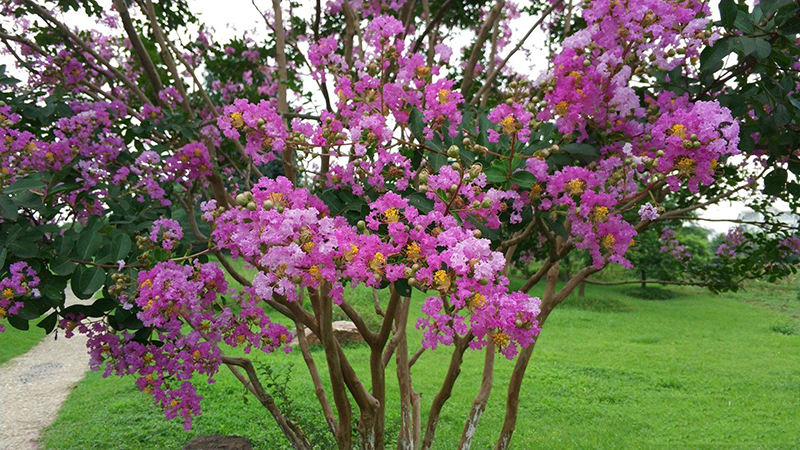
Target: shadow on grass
651	293
596	303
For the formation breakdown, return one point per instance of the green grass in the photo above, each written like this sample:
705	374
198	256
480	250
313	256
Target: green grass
14	342
609	371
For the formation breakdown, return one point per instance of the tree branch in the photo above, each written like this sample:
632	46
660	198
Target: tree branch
477	48
491	77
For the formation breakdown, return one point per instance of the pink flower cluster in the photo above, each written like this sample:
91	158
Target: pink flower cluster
287	235
265	131
166	233
21	283
192	162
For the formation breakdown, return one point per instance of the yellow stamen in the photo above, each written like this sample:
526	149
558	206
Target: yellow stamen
378	263
575	187
442	280
236	120
477	301
600	214
679	130
500	339
8	293
350	255
536	191
562	108
392	215
509	124
314	271
608	242
444	96
685	165
413	252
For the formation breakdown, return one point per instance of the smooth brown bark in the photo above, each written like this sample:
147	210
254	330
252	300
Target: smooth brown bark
454	370
479	405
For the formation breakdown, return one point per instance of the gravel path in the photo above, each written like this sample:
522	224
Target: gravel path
34	385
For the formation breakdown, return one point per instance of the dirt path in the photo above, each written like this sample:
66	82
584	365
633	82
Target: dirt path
34	385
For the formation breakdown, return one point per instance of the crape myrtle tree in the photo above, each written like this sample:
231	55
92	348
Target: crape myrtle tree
357	147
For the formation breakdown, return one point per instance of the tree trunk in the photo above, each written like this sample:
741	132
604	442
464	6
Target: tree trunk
582	289
644	280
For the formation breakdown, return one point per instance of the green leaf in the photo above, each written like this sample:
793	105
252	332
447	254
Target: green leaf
763	49
727	12
524	179
23	248
497	173
48	323
18	323
416	123
775	181
583	152
63	266
711	57
120	247
3	254
105	304
8	210
25	184
88	243
402	287
781	115
87	280
742	22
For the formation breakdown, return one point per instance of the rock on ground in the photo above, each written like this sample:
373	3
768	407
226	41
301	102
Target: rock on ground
33	387
343	330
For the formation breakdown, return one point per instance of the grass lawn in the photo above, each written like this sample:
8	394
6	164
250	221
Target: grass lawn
610	371
14	342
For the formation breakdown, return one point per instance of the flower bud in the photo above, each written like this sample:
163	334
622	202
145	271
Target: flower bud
268	204
453	151
477	233
361	224
487	202
242	200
